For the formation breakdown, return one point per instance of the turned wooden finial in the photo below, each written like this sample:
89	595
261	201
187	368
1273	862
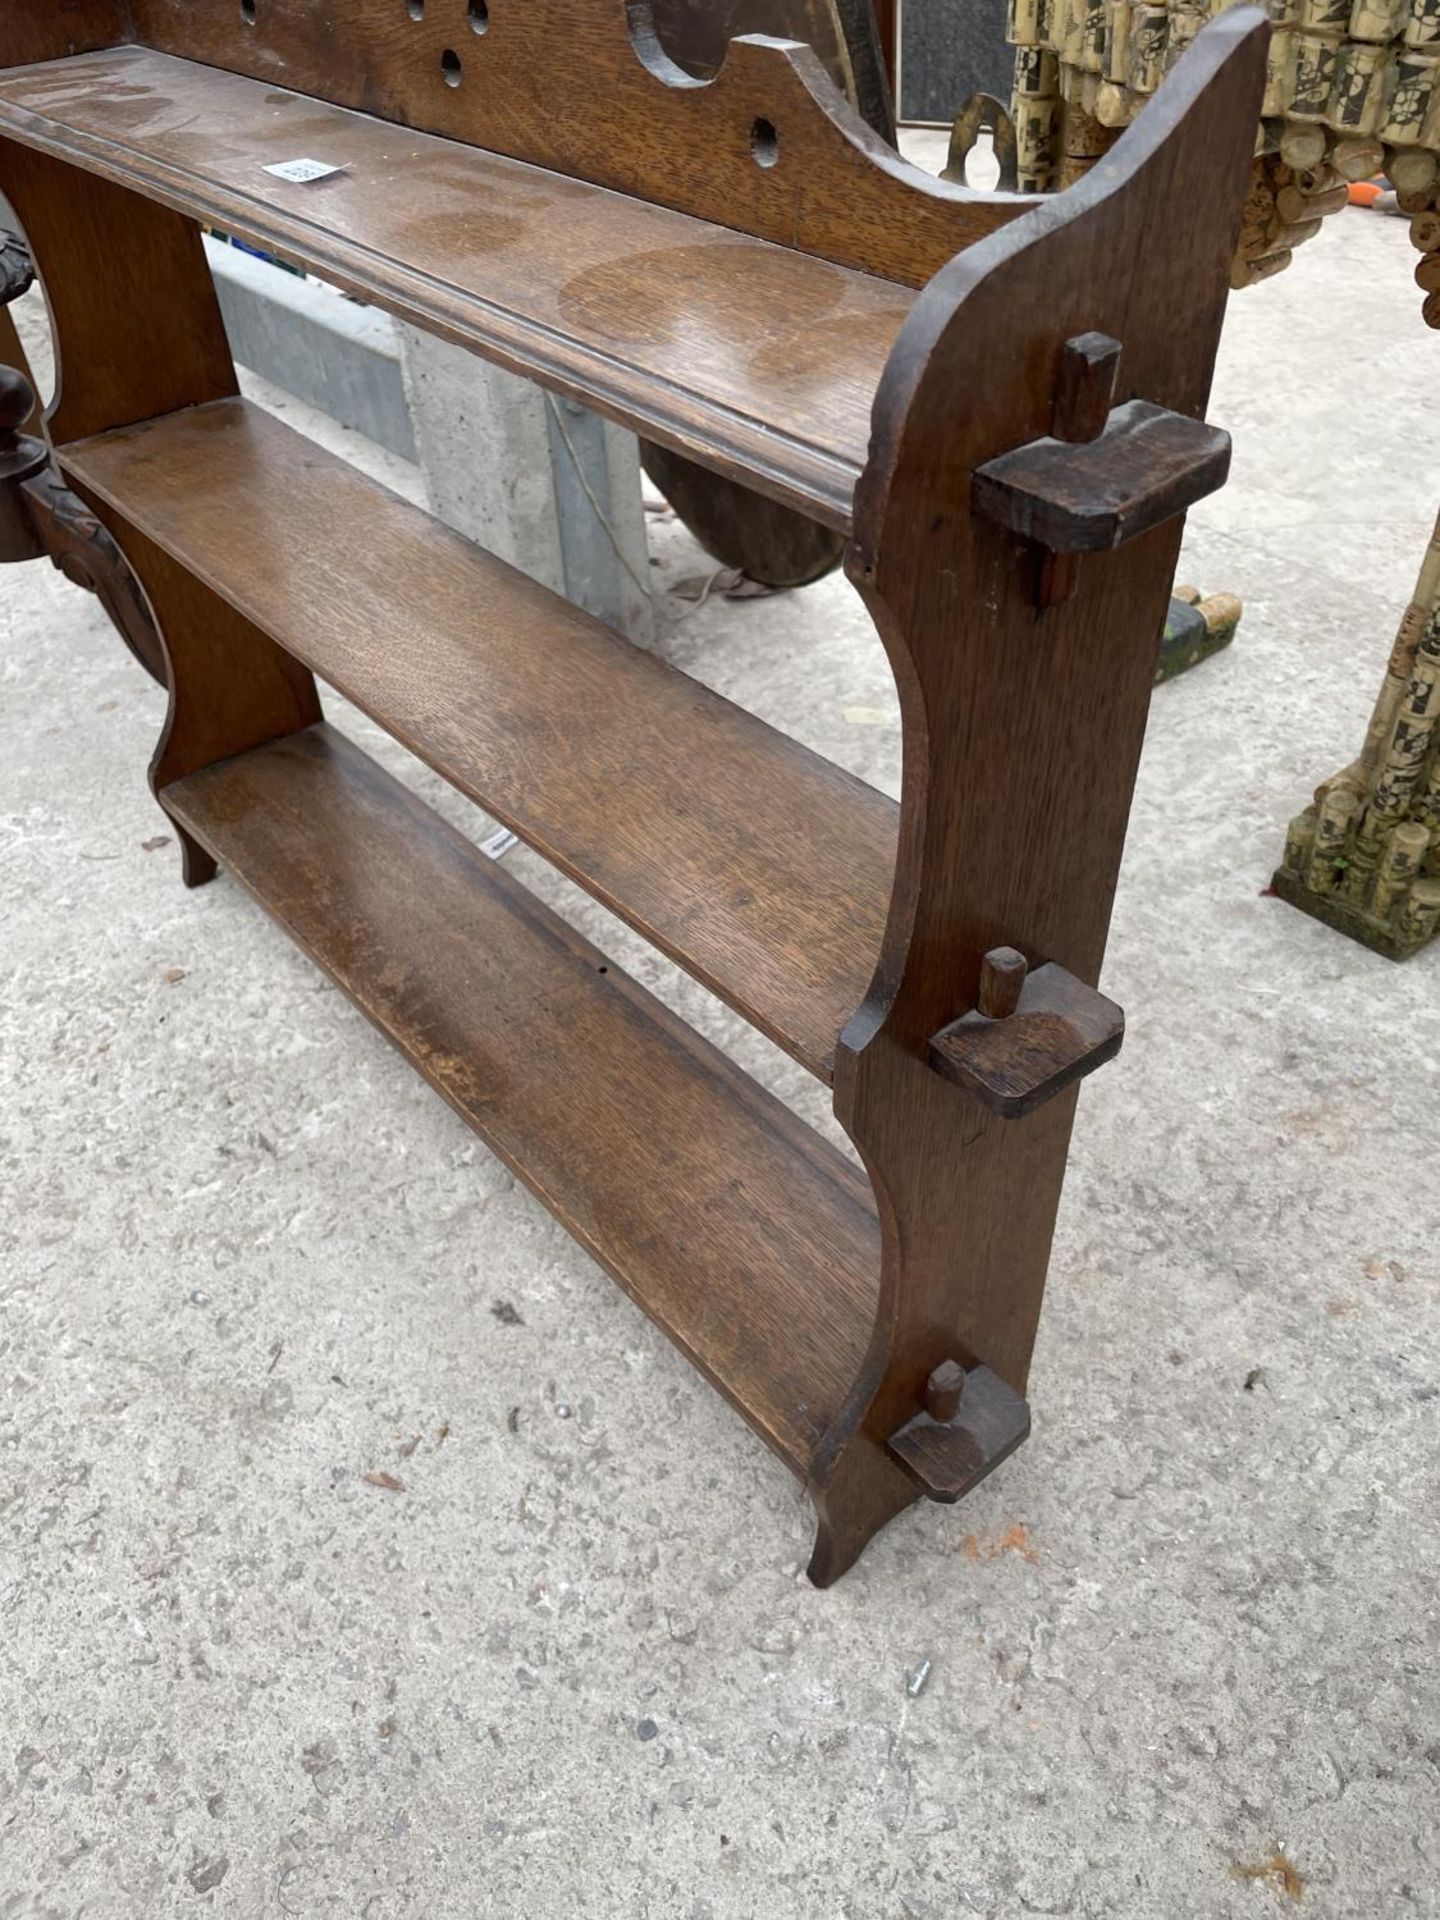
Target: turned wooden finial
21	459
943	1390
17	403
1002	979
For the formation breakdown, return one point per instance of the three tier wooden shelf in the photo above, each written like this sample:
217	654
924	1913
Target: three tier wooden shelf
999	402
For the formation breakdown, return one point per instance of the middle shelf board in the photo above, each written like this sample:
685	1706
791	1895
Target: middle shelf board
754	359
759	866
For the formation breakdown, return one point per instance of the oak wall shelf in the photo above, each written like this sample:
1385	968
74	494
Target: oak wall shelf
998	403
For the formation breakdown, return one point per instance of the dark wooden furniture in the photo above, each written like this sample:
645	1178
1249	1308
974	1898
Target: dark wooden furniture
740	528
740	271
843	35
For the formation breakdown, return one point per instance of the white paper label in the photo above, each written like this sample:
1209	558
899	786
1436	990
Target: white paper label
303	171
499	843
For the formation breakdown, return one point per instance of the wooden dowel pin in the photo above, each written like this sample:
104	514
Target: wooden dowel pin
1085	387
1002	979
943	1390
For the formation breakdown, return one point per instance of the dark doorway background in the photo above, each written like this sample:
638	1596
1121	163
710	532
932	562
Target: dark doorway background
950	49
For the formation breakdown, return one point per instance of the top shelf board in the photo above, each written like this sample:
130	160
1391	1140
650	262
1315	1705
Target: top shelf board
760	362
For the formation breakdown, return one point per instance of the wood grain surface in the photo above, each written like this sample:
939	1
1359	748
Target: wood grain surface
1023	722
54	28
571	85
740	528
762	321
1058	1031
757	360
747	1238
759	866
842	34
104	255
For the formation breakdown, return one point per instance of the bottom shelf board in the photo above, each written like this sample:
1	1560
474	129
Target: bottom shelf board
750	1240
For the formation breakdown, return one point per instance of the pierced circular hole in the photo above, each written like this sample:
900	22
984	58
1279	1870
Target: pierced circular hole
479	15
450	67
415	9
764	143
247	12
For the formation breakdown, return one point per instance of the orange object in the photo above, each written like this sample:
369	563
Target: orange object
1364	193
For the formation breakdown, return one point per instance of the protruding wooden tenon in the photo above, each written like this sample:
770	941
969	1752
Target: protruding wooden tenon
943	1391
1032	1033
948	1454
39	514
1085	386
1104	474
1002	981
1088	496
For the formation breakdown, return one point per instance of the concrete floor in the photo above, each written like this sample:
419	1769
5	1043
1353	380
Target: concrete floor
1182	1646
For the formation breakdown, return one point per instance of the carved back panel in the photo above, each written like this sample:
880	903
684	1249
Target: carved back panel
768	147
842	34
695	33
53	29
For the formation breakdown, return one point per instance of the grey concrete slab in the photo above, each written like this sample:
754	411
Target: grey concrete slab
540	481
544	483
573	1668
308	338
